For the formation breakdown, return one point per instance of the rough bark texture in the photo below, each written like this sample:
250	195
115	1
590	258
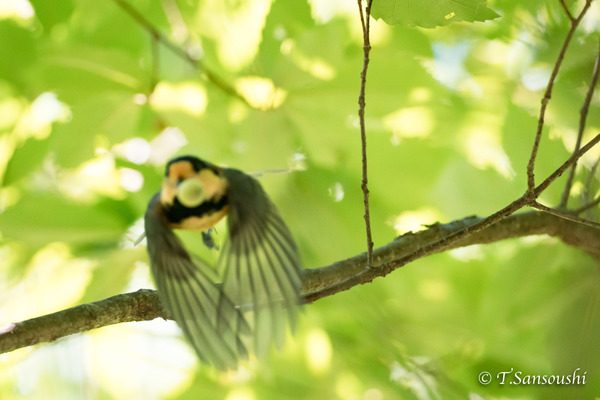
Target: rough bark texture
145	305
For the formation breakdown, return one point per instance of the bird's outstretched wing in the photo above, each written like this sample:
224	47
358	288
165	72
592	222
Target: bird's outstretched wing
210	320
262	267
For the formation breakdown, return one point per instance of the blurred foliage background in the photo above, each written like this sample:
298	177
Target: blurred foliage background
91	107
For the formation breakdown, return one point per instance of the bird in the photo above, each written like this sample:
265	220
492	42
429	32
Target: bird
255	296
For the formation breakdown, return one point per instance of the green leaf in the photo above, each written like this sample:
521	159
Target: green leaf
431	13
113	273
39	220
17	51
52	13
25	160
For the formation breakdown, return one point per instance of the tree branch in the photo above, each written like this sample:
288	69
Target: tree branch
548	92
560	170
447	242
565	215
591	204
582	122
366	24
566	9
144	304
183	54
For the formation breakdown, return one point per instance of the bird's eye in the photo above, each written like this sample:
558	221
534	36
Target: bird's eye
190	193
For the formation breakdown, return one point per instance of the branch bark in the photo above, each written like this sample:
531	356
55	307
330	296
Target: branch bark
144	304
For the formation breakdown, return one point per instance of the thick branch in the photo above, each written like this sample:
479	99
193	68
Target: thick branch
144	304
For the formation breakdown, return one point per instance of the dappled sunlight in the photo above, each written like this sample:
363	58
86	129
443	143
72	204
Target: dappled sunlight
518	56
414	220
448	64
10	109
189	97
9	196
36	121
52	270
569	140
6	150
324	11
336	192
261	92
412	374
435	290
318	351
420	95
243	393
373	394
237	112
591	21
348	386
315	66
129	362
136	150
484	150
413	122
494	52
235	27
166	145
131	180
98	176
536	77
468	253
95	100
19	10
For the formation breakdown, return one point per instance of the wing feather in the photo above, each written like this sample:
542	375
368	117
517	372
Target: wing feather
208	318
262	267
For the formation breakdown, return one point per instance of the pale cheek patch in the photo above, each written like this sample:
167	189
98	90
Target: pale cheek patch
177	172
214	186
168	192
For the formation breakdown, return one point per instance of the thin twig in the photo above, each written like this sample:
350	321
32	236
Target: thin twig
548	95
565	215
586	207
365	23
195	63
582	122
587	192
560	170
446	242
436	246
564	6
155	67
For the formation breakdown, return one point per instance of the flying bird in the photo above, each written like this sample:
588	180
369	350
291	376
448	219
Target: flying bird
259	269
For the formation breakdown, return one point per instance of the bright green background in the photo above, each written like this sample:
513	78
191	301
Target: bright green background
451	114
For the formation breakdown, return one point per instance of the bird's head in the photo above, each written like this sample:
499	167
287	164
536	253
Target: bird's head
192	188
